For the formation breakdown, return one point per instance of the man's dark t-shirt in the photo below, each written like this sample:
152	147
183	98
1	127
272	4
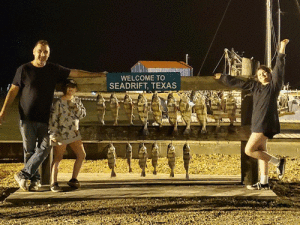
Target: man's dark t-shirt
37	86
265	114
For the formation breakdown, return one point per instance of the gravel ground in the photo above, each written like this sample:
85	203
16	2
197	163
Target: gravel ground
285	210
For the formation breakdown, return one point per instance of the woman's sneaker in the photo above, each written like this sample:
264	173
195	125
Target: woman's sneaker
55	188
74	183
259	186
281	168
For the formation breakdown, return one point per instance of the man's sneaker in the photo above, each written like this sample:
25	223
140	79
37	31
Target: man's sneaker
281	168
55	188
259	186
21	181
35	185
74	183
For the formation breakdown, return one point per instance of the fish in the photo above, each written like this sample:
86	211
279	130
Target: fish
172	112
111	156
129	156
156	109
143	156
200	109
143	112
155	156
216	107
129	106
101	108
230	108
283	100
186	159
171	158
186	112
114	106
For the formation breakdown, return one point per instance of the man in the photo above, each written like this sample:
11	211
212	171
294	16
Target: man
265	120
35	83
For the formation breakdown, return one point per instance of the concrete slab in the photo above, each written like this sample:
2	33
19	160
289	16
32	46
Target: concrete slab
101	186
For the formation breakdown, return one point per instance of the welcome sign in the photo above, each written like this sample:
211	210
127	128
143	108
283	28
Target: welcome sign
165	81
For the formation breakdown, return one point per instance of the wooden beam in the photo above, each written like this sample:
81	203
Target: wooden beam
92	131
187	83
249	166
202	83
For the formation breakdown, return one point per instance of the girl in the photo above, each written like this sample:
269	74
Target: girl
64	130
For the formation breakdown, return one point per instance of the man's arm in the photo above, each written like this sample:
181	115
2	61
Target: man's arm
80	73
10	97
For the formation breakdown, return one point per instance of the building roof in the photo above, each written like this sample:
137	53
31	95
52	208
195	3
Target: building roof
164	64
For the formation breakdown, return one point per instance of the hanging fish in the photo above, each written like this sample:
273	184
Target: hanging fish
129	106
156	109
172	112
111	156
186	158
129	155
230	108
186	112
171	158
216	107
114	106
143	156
200	109
101	108
155	156
143	112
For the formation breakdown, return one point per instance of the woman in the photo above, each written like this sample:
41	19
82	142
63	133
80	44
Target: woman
265	120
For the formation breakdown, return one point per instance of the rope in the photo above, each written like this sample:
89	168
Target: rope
298	6
275	41
219	63
213	38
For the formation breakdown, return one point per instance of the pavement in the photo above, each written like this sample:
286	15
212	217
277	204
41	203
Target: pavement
101	186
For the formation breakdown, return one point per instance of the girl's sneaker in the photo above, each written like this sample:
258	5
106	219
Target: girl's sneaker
55	188
281	168
74	183
259	186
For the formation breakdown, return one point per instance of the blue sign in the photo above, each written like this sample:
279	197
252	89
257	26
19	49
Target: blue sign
165	81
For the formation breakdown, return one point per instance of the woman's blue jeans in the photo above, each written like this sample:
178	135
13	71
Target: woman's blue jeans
36	146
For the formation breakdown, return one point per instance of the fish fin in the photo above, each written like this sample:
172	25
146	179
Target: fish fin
187	132
145	132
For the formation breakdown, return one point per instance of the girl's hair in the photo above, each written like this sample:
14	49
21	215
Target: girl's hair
68	83
265	68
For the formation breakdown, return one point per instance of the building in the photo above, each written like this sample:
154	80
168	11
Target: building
163	66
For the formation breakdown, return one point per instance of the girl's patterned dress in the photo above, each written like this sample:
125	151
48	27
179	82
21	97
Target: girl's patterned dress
64	121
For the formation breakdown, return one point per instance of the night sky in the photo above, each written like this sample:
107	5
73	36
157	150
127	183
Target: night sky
111	35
